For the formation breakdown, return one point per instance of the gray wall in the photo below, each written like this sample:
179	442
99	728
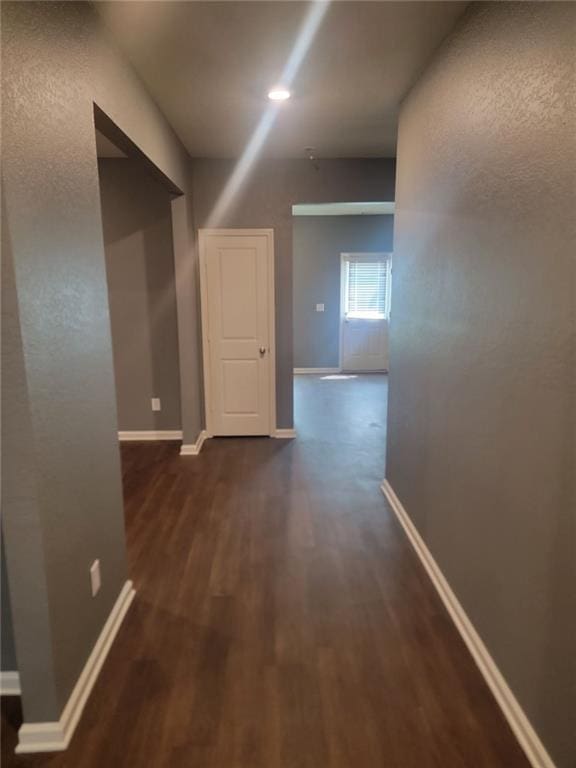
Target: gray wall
318	242
136	218
61	486
481	410
22	529
266	201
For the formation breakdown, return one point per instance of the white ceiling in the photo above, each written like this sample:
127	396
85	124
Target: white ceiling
209	66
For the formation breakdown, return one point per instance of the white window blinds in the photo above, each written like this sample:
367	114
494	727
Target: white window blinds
367	288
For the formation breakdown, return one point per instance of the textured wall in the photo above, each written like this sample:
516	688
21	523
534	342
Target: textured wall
21	524
136	218
482	377
62	503
266	201
318	242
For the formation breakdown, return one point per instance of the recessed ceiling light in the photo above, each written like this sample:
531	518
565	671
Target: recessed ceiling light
278	93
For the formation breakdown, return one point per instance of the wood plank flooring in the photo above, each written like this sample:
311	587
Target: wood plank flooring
281	617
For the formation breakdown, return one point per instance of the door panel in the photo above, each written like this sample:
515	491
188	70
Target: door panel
239	306
237	271
364	345
240	387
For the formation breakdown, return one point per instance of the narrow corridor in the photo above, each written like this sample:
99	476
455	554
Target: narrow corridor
281	617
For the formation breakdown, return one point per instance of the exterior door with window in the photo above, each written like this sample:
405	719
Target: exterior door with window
365	311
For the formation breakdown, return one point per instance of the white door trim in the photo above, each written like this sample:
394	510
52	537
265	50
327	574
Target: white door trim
203	234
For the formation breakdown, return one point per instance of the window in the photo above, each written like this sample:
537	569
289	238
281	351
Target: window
367	289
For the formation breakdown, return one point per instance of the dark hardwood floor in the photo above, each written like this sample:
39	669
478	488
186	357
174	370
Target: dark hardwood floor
281	617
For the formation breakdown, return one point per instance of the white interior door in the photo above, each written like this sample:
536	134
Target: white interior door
237	276
365	311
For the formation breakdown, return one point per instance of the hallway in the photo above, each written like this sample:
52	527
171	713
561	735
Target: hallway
281	617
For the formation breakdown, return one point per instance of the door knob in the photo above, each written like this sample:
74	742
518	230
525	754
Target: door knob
262	351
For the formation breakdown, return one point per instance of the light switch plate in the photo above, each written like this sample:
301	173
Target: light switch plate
156	406
319	307
95	578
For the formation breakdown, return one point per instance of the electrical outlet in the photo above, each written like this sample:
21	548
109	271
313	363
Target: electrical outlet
319	307
95	578
156	406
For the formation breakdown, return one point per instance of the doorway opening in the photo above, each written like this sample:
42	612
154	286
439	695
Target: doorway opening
342	267
137	214
137	231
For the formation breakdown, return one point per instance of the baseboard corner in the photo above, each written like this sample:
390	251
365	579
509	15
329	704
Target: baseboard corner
193	449
284	434
55	736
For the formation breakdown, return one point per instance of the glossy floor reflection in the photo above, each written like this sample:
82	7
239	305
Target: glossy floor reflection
281	619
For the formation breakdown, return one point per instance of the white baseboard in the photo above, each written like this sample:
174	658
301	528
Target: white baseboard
364	371
284	434
150	434
511	709
298	371
9	684
55	736
195	448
